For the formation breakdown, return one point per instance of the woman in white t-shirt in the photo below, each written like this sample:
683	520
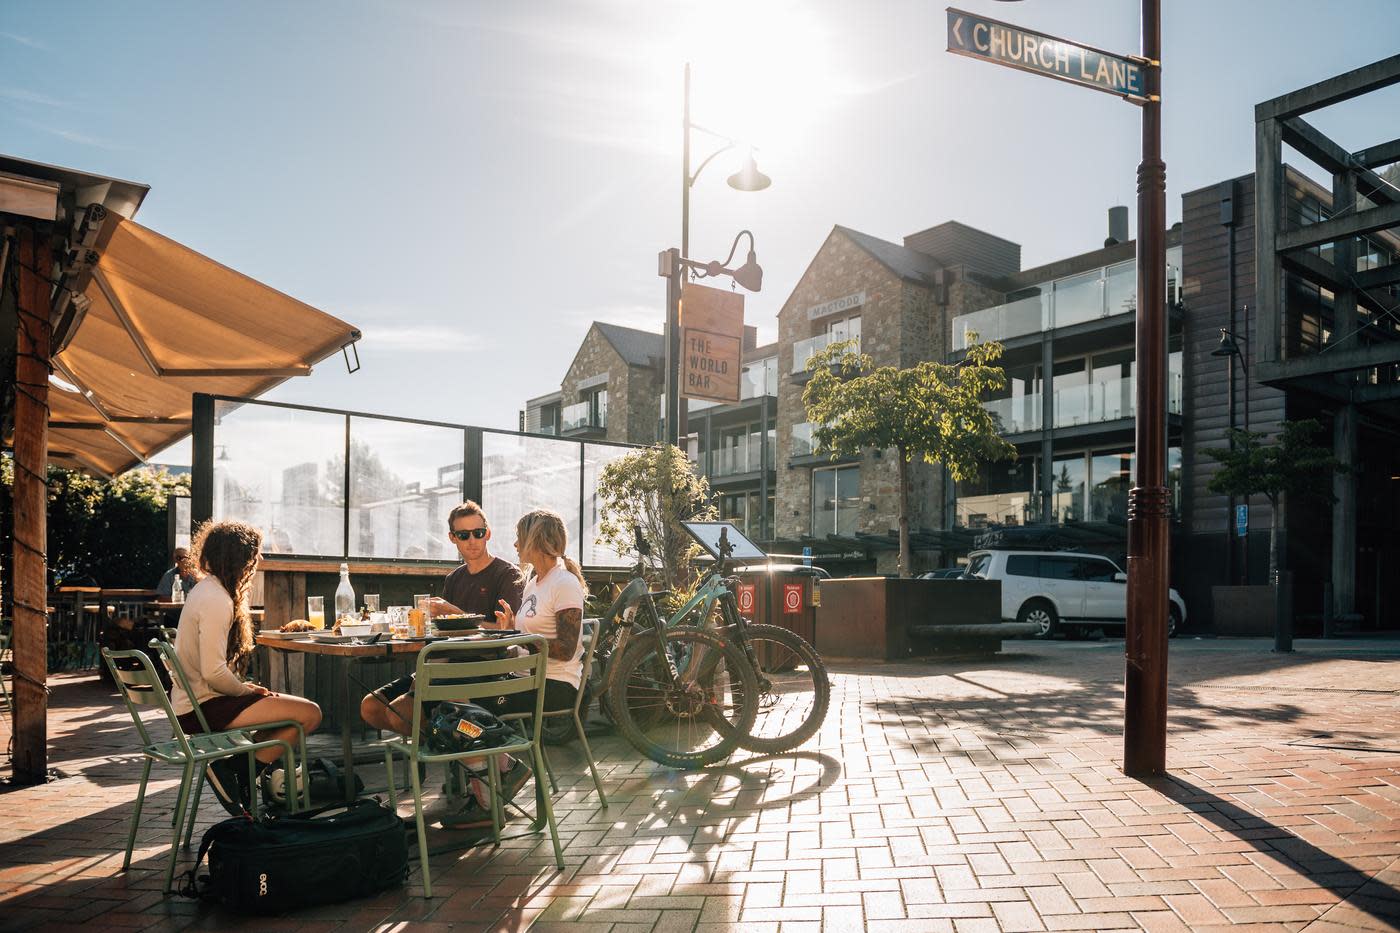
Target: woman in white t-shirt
552	606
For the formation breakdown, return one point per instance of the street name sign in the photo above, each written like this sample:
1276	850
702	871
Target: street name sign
1241	520
1017	47
712	339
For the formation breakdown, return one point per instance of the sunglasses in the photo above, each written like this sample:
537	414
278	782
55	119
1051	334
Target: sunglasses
465	533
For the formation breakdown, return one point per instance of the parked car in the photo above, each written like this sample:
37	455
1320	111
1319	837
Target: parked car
1062	590
942	573
799	569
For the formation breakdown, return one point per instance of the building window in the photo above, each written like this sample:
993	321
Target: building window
836	501
845	329
1002	493
597	401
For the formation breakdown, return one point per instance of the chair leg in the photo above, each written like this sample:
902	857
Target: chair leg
389	769
183	799
549	769
422	831
194	805
548	809
253	784
498	812
136	815
588	754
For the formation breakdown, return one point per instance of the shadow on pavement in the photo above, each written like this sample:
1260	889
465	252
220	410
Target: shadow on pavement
1355	888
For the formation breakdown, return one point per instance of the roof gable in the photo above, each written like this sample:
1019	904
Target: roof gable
636	347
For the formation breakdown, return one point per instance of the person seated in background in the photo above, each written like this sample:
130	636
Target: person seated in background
213	643
180	566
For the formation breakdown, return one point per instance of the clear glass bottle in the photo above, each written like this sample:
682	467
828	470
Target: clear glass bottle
344	596
177	590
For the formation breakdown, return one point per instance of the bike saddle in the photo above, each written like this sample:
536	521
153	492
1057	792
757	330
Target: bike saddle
655	593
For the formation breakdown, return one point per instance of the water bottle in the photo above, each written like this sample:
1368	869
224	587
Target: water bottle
177	590
344	595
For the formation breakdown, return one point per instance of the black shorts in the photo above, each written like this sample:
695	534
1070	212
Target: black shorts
558	695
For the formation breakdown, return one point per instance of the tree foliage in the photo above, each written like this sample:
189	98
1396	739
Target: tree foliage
1293	465
112	532
930	411
654	489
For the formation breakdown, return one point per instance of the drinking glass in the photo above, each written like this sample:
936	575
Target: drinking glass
316	611
418	600
372	602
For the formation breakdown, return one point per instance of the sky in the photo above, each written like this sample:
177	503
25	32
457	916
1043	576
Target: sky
471	183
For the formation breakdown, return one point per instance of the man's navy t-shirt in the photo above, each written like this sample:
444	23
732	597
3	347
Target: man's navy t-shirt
481	592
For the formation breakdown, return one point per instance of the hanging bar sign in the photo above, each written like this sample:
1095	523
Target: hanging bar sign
1016	47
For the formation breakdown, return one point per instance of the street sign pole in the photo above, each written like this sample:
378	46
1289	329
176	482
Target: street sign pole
1145	683
1137	79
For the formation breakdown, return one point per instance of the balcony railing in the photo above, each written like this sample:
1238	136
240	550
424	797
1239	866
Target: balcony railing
1018	414
745	457
583	415
1094	403
803	444
1105	292
804	350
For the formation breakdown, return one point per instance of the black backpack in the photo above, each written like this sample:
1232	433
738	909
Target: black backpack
285	861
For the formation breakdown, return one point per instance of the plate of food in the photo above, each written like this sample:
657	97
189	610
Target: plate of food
331	638
458	621
279	635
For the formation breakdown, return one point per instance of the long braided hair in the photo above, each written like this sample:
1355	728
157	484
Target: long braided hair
228	551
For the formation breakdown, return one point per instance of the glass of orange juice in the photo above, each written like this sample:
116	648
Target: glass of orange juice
316	611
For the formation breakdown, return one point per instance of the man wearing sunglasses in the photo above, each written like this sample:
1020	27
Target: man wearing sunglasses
478	586
482	580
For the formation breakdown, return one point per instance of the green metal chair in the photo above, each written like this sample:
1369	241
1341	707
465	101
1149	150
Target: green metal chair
439	677
176	670
576	711
140	687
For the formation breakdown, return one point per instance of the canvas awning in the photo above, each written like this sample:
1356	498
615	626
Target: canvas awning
161	323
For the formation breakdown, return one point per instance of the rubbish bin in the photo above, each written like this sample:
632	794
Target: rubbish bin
783	596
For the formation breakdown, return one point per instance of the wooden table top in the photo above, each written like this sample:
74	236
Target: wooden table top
378	650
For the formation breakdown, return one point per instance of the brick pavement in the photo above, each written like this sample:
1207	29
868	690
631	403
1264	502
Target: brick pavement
945	796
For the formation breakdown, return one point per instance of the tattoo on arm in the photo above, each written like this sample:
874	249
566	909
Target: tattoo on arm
568	626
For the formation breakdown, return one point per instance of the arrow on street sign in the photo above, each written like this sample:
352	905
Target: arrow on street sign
1016	47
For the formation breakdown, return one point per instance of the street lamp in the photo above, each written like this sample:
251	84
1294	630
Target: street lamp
672	267
750	275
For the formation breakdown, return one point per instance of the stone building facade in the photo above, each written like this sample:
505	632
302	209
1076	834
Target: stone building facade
624	363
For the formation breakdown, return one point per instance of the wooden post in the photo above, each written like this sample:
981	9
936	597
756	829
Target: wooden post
30	641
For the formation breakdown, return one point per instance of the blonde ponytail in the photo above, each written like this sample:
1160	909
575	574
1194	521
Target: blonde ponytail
543	530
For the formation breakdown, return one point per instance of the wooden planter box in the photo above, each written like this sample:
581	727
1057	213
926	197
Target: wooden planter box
890	620
1243	610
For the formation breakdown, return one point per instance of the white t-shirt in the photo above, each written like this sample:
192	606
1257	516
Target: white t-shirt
543	600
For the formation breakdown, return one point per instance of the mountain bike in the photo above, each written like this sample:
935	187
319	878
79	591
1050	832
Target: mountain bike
683	697
794	690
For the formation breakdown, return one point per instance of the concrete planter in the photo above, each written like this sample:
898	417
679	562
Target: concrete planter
1243	610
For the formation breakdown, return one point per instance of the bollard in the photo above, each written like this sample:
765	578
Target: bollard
1327	610
1283	612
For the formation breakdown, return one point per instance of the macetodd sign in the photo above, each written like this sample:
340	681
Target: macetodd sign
712	340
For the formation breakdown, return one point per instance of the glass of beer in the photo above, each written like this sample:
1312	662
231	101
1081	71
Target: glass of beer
316	611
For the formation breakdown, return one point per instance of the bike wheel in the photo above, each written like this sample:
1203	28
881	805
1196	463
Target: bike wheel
794	690
683	697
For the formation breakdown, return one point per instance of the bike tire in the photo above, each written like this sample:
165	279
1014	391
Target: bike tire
644	701
779	726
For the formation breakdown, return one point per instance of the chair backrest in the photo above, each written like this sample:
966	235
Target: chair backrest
176	670
592	629
140	686
441	670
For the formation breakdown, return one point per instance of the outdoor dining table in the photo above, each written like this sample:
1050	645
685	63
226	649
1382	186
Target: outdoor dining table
350	655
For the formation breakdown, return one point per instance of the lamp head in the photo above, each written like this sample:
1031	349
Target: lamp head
1227	347
750	274
749	178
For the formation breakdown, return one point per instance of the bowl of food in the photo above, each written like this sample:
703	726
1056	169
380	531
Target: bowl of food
458	622
355	628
